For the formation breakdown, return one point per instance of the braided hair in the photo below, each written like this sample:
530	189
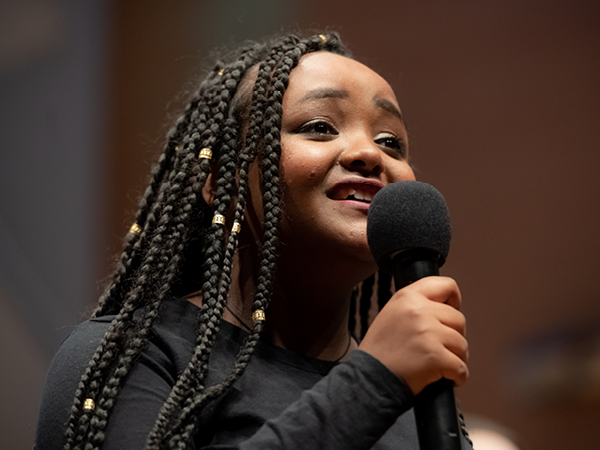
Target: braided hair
233	119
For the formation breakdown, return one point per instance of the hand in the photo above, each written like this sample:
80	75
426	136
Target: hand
419	334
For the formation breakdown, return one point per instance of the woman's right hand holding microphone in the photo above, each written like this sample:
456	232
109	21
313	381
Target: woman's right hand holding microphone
420	334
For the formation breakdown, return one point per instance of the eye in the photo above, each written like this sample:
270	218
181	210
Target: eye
392	142
319	129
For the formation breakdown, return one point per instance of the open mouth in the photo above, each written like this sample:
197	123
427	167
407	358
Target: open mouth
355	189
353	194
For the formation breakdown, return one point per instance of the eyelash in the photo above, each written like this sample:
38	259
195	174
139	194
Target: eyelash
312	128
393	143
321	129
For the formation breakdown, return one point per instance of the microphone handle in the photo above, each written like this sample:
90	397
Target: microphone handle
435	406
437	420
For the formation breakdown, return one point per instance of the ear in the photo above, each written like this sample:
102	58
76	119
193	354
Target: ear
208	190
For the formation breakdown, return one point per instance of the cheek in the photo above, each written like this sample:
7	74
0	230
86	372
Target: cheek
401	171
303	167
299	178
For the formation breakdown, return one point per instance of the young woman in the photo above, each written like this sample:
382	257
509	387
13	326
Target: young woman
229	321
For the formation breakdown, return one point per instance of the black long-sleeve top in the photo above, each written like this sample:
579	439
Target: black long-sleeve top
282	401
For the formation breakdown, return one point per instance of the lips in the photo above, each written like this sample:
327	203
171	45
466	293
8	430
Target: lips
355	189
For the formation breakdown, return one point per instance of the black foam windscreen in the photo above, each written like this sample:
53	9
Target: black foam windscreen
408	215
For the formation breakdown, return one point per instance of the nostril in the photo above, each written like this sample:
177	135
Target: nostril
363	158
358	163
375	169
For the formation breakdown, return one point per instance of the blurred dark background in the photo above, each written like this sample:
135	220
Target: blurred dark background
502	101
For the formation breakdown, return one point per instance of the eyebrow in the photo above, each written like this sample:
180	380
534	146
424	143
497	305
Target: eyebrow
321	93
388	106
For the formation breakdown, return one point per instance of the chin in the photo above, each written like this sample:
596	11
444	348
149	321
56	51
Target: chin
360	255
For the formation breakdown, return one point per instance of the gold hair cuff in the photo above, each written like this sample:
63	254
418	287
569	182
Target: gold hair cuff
236	227
323	38
135	229
219	218
221	72
205	153
258	315
89	404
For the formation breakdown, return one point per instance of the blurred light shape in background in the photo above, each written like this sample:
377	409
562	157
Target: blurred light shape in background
559	366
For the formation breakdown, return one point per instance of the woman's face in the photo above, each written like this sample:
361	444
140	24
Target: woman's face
343	139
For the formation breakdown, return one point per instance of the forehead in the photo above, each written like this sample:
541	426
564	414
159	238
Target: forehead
324	70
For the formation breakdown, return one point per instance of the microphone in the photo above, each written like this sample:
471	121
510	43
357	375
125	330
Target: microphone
408	230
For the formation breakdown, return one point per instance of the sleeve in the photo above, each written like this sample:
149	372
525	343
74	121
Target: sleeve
351	408
147	388
62	378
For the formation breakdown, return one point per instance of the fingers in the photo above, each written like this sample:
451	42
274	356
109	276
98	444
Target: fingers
438	289
440	351
455	342
452	318
436	297
454	367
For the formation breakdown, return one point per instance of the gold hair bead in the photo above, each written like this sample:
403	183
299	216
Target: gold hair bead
236	227
205	153
258	315
323	38
219	218
135	229
89	404
221	72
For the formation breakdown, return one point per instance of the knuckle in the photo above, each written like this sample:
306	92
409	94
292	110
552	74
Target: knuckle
461	321
462	371
457	372
465	350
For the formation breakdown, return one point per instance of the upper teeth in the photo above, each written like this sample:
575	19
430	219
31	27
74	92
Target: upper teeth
358	195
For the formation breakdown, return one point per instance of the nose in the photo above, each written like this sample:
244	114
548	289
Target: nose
363	157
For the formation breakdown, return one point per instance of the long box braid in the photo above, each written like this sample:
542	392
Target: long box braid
239	120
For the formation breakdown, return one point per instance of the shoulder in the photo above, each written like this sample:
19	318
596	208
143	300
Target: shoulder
66	369
173	334
168	351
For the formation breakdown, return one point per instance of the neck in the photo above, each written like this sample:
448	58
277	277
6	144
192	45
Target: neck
308	322
308	311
